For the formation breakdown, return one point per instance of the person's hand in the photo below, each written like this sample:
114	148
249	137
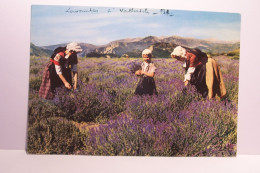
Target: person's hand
186	83
138	72
67	85
75	86
142	72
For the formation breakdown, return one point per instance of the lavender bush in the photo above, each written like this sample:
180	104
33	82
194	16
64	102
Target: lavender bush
85	104
134	67
127	136
206	128
177	122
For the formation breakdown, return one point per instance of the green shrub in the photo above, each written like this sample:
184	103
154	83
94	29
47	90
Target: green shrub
41	109
54	136
34	70
35	83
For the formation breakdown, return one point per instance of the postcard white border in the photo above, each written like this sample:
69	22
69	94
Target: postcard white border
15	47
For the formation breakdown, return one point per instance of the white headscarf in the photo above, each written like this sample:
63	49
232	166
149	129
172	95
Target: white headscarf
146	52
74	47
179	51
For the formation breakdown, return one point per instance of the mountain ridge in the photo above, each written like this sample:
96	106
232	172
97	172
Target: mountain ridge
163	45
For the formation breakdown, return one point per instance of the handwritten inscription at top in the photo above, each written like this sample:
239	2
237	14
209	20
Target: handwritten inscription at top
123	10
90	10
133	10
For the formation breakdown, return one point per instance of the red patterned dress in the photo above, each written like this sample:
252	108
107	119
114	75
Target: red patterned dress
58	64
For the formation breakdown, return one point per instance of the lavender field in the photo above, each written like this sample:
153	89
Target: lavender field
104	117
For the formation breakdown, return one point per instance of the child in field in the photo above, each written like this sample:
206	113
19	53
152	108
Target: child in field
201	71
146	84
58	72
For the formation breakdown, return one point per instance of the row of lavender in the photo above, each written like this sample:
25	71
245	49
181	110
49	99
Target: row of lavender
104	117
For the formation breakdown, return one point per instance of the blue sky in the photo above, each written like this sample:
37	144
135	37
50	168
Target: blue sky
100	25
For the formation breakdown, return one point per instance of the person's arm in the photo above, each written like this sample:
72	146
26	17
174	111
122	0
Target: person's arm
188	74
74	70
75	77
186	83
192	58
59	71
138	72
67	85
151	71
148	74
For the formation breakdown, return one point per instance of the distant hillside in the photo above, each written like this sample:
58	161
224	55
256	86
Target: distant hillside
162	46
163	50
235	54
87	48
220	48
38	51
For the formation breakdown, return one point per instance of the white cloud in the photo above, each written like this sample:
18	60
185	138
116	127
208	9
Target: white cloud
220	34
100	40
150	25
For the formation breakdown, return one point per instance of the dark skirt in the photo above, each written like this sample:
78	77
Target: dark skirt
51	81
55	79
198	78
146	85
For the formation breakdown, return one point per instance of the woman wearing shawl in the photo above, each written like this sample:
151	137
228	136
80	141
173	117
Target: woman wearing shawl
60	70
201	71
